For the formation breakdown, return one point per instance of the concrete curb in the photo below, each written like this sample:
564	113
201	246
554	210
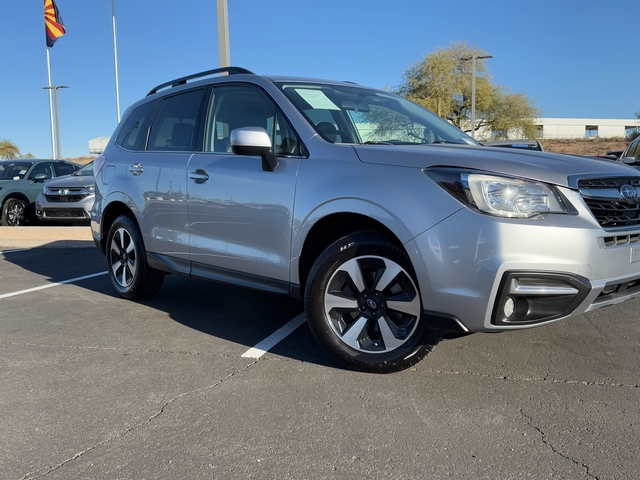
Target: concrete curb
45	237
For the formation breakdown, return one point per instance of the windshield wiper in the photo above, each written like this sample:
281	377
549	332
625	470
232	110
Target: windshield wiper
371	142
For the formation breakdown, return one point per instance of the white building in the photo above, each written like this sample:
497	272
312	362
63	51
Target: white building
585	127
97	145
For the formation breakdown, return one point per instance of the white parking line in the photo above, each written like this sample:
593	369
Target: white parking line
49	285
255	352
276	337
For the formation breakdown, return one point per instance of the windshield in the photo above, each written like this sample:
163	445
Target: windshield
352	114
14	170
86	171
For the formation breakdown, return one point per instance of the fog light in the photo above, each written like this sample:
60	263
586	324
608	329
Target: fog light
509	307
527	298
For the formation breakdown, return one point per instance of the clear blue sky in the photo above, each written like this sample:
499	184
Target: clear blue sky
573	58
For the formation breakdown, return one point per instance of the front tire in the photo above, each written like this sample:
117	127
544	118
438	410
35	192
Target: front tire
129	271
13	212
364	308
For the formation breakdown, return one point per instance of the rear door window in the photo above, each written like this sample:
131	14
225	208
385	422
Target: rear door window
174	126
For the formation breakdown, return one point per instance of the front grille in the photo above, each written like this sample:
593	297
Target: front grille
64	213
72	197
618	290
605	199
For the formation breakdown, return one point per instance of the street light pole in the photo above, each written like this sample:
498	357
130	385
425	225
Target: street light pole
115	57
223	33
473	59
55	89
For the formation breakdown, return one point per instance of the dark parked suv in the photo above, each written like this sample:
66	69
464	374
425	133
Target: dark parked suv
394	227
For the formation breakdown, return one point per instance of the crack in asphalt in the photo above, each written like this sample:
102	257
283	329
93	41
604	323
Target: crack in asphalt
544	379
42	472
553	449
110	349
39	473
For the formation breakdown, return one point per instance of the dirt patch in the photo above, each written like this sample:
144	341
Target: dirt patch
591	147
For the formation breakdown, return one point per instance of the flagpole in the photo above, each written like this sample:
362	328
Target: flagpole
53	144
115	57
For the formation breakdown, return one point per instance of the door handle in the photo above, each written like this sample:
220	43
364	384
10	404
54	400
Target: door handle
199	176
136	168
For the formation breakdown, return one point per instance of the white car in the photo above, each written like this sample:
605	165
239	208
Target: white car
67	199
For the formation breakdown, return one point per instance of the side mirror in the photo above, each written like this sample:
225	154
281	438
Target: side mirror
628	160
254	141
41	177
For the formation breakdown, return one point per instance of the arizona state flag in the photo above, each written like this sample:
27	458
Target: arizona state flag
54	28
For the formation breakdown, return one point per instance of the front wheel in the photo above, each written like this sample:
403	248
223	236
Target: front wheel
13	212
364	307
129	271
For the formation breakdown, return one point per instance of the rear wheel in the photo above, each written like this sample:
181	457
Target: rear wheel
364	308
13	212
129	271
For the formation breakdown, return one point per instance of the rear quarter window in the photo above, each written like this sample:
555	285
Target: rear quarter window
133	133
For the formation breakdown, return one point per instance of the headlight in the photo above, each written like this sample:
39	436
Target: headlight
497	195
90	188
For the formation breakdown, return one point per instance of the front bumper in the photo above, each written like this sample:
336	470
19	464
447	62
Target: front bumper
479	273
68	211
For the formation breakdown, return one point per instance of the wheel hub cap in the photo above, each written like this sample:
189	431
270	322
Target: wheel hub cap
372	305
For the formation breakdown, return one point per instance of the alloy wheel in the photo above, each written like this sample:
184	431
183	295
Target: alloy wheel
372	305
123	258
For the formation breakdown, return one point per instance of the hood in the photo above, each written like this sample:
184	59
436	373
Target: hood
71	181
554	168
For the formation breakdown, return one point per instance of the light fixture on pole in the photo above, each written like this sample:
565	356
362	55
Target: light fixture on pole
473	59
55	89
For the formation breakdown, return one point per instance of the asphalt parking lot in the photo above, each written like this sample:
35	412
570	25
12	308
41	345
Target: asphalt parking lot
207	381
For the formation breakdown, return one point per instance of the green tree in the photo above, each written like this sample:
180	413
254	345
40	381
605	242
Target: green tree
8	150
442	82
510	112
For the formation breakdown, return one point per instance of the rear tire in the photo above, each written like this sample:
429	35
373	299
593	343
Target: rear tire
129	271
364	308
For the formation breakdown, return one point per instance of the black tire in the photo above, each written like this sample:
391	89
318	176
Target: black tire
364	308
129	271
13	212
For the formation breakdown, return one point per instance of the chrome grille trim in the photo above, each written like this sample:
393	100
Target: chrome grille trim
604	198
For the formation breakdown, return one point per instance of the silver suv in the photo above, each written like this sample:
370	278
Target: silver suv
394	227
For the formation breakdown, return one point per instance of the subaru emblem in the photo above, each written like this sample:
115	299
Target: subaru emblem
629	193
372	304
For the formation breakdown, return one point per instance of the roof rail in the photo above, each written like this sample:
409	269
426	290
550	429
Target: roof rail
183	80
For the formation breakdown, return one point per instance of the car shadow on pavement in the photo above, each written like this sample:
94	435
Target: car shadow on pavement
242	316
